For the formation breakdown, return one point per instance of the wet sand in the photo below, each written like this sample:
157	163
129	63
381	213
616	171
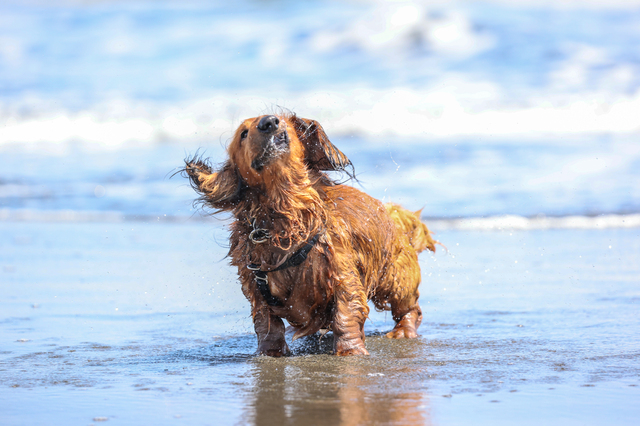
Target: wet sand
133	323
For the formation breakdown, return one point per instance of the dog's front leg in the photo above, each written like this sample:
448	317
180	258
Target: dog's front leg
270	330
351	311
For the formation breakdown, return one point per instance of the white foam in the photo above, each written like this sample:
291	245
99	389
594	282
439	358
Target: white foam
520	223
493	223
589	92
29	215
572	4
391	29
455	108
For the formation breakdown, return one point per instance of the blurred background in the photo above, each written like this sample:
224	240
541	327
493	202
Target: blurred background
467	108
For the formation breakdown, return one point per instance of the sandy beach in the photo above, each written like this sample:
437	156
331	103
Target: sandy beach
139	323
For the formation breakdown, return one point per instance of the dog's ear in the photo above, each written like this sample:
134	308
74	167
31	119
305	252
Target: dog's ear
220	190
320	154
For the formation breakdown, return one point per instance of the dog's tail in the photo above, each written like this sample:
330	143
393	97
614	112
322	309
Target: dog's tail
409	223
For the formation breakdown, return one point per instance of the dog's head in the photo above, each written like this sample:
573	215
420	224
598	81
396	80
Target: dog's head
263	151
272	144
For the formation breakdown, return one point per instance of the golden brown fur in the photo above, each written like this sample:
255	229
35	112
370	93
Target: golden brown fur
273	180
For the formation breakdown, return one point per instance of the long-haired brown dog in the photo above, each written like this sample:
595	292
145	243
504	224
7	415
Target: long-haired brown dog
308	249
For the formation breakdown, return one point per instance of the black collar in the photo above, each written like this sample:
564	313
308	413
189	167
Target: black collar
294	260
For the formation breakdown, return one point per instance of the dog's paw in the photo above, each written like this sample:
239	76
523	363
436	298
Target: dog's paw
407	327
353	351
351	348
402	332
275	353
274	350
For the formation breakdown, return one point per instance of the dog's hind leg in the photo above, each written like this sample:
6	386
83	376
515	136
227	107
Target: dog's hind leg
407	326
270	330
402	296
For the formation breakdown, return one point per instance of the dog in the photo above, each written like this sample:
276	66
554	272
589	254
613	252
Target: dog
309	249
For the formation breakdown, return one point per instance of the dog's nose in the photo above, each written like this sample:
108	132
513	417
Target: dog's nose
268	123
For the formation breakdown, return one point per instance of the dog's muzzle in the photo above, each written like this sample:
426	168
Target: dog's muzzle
275	142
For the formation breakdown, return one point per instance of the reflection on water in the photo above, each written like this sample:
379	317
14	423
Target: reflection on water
326	390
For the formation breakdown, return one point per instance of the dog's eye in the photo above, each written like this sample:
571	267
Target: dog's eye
244	134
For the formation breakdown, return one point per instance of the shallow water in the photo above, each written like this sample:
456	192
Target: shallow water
145	323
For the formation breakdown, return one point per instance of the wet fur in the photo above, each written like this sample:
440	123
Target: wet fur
366	251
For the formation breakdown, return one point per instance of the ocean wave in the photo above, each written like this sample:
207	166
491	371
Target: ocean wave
521	223
88	216
29	215
453	110
492	223
112	73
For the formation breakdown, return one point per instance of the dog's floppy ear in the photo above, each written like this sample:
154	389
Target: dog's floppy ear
220	190
320	154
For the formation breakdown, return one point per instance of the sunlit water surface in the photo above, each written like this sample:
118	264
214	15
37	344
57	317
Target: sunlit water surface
140	323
